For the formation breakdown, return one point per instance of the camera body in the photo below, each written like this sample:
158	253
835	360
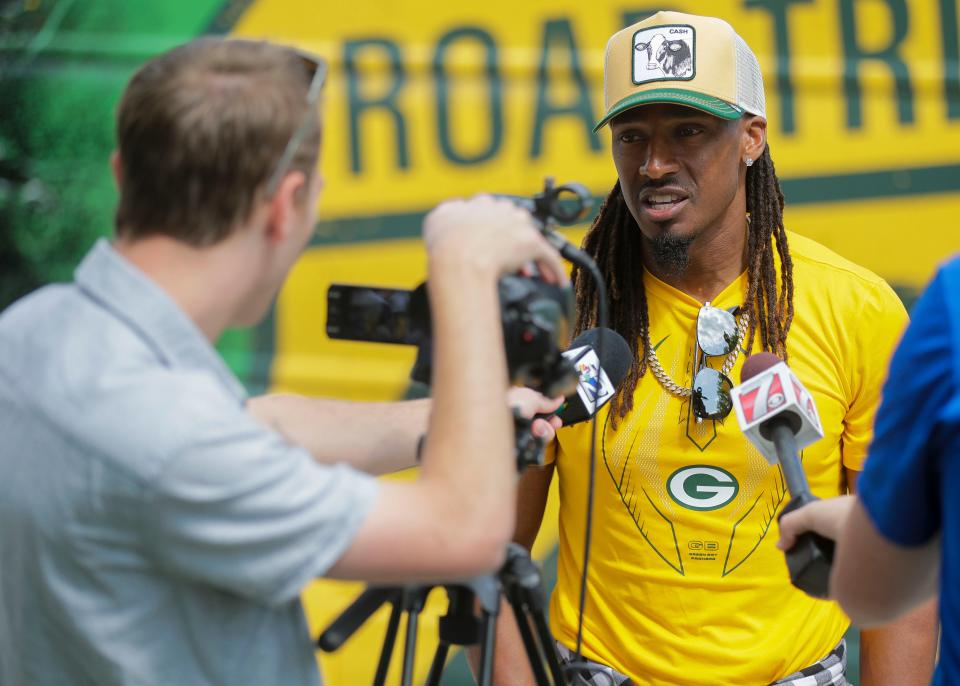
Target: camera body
535	315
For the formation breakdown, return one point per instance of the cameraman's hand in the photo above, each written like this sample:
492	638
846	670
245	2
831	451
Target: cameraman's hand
531	403
825	517
491	233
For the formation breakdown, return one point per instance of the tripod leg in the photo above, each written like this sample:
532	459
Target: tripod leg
523	588
439	660
413	614
530	645
487	650
344	626
388	642
546	640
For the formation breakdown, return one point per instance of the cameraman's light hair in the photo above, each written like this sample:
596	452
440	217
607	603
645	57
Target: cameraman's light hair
203	129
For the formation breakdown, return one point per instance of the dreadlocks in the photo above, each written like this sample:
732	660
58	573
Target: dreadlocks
615	242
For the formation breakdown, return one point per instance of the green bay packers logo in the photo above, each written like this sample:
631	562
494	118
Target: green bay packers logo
702	487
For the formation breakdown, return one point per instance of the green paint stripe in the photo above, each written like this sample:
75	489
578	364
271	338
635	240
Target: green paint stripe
798	191
365	229
872	185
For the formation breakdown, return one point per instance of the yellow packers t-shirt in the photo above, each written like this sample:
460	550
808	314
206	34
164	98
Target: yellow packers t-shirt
685	583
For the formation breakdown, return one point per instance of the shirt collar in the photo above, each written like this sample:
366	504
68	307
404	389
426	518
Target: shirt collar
141	304
733	294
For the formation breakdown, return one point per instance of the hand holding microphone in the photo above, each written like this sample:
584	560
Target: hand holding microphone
599	375
778	416
602	359
826	517
537	408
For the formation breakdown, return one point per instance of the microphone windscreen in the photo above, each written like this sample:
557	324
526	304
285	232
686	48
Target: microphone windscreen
601	375
617	358
757	364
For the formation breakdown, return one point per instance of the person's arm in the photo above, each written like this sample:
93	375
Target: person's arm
896	609
887	590
886	565
457	518
902	653
376	438
235	506
877	582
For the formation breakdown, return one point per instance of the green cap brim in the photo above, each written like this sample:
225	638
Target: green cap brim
706	103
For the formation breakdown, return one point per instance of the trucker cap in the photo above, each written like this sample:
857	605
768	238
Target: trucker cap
684	59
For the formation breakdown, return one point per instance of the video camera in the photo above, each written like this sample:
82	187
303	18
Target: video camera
535	315
536	318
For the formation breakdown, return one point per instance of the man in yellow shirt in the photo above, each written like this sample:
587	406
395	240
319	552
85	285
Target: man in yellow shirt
685	584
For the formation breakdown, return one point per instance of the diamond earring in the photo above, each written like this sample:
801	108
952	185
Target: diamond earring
748	161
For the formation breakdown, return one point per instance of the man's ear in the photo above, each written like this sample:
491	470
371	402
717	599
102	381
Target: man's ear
284	205
754	138
117	169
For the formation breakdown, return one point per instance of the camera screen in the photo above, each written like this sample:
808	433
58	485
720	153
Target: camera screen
377	315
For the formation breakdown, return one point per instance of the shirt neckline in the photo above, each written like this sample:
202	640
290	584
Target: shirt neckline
733	293
110	279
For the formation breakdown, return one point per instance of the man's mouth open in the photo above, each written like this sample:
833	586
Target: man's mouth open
662	205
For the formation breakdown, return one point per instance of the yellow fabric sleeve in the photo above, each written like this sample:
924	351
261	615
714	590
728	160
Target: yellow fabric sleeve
550	452
881	323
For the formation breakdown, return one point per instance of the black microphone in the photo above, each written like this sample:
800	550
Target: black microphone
599	377
777	414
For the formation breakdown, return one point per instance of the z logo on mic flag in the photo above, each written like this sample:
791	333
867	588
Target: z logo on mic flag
594	386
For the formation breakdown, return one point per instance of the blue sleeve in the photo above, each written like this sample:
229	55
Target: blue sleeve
900	484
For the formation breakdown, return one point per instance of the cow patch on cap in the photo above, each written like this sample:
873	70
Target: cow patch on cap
664	53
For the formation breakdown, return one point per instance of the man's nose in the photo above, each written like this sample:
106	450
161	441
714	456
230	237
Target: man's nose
660	160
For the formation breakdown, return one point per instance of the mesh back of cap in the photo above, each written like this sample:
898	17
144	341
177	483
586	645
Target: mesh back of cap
749	80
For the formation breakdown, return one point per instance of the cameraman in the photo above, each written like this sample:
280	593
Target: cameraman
155	531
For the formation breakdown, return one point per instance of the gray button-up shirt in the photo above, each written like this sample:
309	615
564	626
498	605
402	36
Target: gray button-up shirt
151	532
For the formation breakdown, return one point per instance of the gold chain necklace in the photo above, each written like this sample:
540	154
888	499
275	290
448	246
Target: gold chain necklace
682	391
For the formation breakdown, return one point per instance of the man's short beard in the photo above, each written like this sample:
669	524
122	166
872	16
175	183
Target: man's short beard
671	253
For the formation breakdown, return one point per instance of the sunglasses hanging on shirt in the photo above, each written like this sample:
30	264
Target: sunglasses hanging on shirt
718	333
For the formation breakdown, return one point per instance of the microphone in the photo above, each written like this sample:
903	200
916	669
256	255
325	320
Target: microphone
599	378
778	415
768	390
596	378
